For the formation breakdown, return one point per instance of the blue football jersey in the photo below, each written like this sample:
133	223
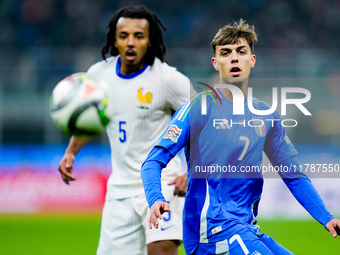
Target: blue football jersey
223	152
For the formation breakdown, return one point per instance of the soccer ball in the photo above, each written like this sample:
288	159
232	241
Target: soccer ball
81	105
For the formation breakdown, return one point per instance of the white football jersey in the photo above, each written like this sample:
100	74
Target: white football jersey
142	111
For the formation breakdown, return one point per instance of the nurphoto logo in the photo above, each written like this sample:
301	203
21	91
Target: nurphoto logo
239	101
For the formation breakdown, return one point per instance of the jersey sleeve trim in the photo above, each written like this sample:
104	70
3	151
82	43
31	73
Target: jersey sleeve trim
183	113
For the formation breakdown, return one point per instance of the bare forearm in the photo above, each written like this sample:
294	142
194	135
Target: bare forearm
76	143
66	163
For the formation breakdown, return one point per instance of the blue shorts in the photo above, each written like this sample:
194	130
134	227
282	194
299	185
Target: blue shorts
244	242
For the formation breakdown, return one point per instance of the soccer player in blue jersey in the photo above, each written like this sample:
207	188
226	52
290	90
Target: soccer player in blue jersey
222	200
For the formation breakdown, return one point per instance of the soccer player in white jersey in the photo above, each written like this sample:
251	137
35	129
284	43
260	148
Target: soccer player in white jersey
221	206
145	91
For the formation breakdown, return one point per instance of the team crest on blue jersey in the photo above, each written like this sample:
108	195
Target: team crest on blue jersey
259	126
173	133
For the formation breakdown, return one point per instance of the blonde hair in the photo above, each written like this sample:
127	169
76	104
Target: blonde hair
231	34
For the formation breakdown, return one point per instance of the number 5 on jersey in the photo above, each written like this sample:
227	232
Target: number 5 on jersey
122	131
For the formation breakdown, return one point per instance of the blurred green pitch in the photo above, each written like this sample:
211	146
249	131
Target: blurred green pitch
46	234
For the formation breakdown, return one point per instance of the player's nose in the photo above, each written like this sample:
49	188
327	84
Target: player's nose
131	41
234	57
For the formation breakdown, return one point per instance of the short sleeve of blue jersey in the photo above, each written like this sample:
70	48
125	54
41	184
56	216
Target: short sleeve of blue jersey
277	146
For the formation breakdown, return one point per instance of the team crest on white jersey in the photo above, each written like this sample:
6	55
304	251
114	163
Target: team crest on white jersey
144	100
173	133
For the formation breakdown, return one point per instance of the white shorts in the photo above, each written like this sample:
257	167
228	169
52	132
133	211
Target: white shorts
124	227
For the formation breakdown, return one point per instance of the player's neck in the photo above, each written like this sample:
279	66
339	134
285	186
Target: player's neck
130	69
242	84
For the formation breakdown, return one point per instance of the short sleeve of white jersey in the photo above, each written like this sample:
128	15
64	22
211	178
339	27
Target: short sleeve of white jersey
94	69
177	93
91	70
177	87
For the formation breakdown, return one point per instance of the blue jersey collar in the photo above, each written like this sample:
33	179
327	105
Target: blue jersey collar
128	76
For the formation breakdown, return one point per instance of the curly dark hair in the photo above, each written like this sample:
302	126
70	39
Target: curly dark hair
157	48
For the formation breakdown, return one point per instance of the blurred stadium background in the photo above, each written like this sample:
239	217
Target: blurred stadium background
42	41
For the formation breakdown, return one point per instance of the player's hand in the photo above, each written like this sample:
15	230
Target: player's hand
333	226
180	183
66	168
156	211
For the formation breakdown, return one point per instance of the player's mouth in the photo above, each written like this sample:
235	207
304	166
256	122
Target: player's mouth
235	71
130	55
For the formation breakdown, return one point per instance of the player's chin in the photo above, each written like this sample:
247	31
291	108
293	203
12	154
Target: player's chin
132	64
233	79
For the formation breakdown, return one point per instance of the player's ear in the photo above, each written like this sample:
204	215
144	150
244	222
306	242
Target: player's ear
253	61
213	60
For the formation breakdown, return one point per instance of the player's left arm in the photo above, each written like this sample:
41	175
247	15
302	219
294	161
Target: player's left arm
281	152
305	193
333	226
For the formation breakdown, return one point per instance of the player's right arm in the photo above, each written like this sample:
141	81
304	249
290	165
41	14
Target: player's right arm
75	144
175	137
66	163
157	159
